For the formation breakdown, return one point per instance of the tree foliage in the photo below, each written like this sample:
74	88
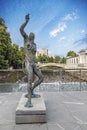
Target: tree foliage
5	46
71	53
63	60
57	59
10	54
17	56
42	58
47	59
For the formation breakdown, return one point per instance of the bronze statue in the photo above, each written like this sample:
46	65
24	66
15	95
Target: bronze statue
31	65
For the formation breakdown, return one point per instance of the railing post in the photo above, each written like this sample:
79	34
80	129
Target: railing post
80	79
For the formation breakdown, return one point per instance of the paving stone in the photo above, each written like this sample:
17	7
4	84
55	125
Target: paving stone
60	115
43	126
6	127
83	126
55	127
23	127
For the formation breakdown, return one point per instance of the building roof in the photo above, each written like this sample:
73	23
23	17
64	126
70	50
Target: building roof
83	50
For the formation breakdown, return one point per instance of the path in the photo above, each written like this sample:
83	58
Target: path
65	111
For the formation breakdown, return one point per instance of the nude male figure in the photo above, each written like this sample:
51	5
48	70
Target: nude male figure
30	61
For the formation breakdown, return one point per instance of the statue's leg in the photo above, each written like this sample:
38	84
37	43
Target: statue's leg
38	73
29	85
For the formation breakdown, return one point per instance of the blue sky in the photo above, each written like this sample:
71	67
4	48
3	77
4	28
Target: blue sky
59	25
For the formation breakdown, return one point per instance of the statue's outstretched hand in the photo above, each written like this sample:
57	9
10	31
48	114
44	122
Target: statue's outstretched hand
27	17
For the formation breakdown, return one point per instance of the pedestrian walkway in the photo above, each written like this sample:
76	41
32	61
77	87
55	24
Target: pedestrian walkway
65	111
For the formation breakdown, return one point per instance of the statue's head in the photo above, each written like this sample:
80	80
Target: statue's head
31	36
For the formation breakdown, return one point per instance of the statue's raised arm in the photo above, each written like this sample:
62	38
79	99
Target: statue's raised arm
23	26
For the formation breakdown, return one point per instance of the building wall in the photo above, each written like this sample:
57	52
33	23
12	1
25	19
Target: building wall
42	52
72	60
80	60
83	59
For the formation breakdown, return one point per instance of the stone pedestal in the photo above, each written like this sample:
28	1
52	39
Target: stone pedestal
35	114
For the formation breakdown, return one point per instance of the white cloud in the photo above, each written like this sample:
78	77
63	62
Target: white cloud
61	27
62	38
71	16
83	31
63	23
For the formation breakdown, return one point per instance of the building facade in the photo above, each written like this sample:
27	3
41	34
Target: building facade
78	61
42	52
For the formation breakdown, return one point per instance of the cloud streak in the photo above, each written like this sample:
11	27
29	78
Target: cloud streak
81	41
61	27
71	16
62	38
83	31
63	24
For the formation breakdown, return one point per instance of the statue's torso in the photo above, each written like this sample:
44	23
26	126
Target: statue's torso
30	51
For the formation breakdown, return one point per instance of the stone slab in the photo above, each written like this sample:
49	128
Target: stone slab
61	112
35	114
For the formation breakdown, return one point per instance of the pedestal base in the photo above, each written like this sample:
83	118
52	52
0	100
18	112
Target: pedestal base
35	114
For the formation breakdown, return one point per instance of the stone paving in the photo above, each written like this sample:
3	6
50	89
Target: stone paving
65	111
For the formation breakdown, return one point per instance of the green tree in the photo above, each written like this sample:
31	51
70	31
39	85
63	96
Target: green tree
57	59
63	60
3	63
42	59
21	56
50	59
17	56
22	53
71	53
5	46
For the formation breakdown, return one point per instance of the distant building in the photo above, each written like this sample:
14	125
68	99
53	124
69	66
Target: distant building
78	61
42	52
72	60
83	56
37	53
